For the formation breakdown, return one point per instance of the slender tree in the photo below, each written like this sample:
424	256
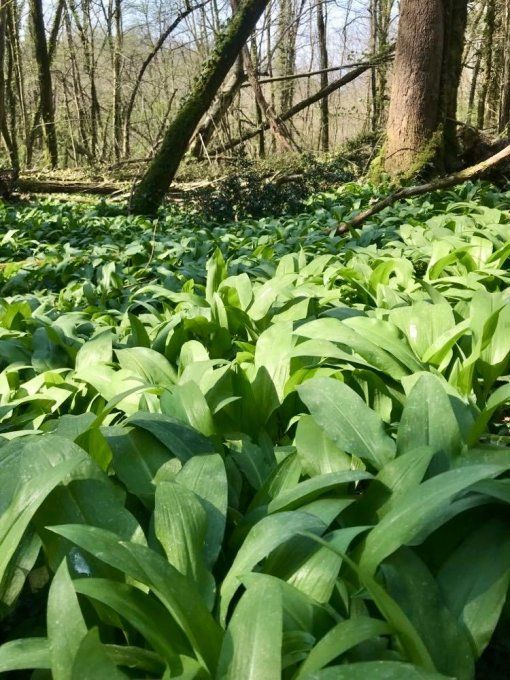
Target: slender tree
323	54
42	58
150	192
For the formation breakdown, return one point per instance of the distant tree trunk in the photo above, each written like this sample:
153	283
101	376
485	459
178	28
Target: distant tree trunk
213	119
277	127
117	83
487	51
9	142
323	54
150	192
420	128
45	82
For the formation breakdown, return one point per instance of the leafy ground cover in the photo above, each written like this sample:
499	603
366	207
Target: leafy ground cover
255	450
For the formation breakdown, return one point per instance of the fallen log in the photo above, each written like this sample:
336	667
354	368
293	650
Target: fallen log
473	172
36	186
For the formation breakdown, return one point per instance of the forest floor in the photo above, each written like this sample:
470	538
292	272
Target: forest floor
225	390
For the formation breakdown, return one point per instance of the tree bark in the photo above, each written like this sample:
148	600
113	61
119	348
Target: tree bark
149	194
45	81
9	143
425	81
504	111
323	54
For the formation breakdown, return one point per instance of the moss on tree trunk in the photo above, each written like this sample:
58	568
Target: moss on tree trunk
150	192
421	119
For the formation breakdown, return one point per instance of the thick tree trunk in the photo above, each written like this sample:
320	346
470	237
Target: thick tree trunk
45	82
425	82
504	111
149	194
413	115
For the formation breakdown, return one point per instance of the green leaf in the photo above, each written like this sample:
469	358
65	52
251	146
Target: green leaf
418	509
174	590
375	670
394	615
206	476
25	654
428	419
317	575
180	439
142	611
340	639
306	491
263	538
98	350
474	580
65	624
252	648
273	351
180	524
318	453
15	519
92	661
347	420
413	587
147	364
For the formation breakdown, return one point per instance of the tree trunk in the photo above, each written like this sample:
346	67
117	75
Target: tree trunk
45	82
323	54
504	114
488	35
425	82
9	143
150	193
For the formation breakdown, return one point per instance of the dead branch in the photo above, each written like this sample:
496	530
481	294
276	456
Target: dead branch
472	172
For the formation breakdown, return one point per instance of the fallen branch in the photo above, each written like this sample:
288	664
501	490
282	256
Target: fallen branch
472	172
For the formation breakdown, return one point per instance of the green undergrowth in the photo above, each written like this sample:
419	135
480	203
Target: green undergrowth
256	450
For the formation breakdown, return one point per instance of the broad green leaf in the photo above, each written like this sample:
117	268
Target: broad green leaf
474	580
347	420
375	670
65	624
413	587
180	523
175	591
263	538
306	491
92	661
142	611
183	441
392	612
428	419
97	350
419	508
252	648
206	476
317	575
16	517
24	654
318	453
273	351
340	639
147	364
